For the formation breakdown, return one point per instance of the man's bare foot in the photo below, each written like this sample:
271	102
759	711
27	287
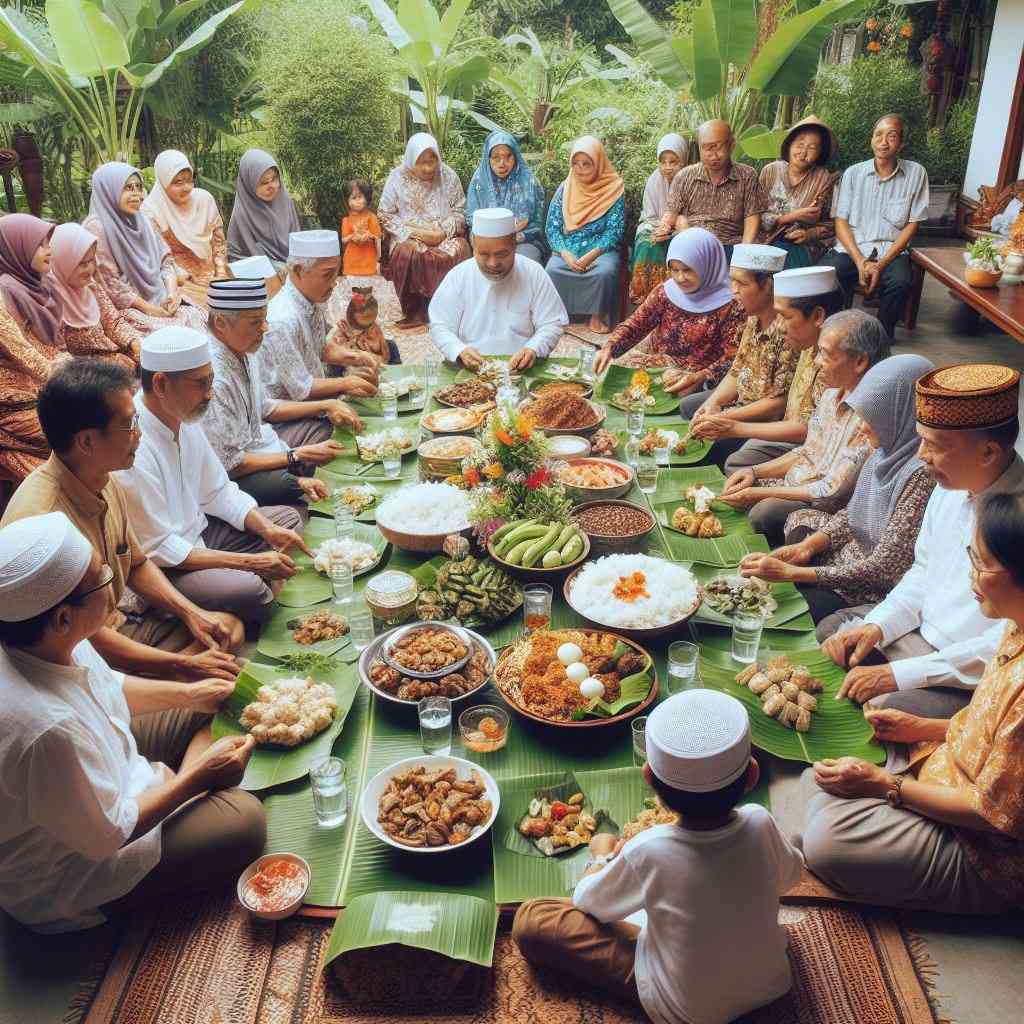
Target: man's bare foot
598	325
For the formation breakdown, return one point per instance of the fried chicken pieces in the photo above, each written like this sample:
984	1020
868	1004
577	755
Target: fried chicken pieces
424	808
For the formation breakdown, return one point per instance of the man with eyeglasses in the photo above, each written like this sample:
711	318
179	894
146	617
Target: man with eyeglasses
89	419
112	791
199	526
930	628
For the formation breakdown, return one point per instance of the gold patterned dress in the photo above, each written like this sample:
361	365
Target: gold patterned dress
200	272
113	338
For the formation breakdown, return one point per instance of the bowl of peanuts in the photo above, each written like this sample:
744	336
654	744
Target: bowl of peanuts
614	525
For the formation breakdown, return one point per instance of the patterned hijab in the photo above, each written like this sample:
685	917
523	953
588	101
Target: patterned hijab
583	204
885	399
258	228
27	291
133	242
702	252
435	199
518	192
71	244
656	190
191	224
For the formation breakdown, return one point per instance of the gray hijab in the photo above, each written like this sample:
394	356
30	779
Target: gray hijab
885	399
258	228
135	246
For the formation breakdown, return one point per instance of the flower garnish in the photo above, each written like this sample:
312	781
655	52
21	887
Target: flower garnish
493	471
504	436
538	478
472	476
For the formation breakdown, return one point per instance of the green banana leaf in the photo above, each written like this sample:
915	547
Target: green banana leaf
618	377
457	926
838	727
413	402
270	766
88	42
350	464
334	481
735	30
319	529
654	45
724	551
708	64
791	602
696	450
276	636
307	587
718	638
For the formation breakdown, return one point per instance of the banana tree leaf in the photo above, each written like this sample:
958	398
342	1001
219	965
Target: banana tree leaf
350	464
451	20
838	727
672	483
652	41
618	377
307	587
721	551
319	529
87	41
270	766
276	636
791	602
413	401
420	20
719	638
457	926
762	144
696	450
461	80
166	25
735	29
334	481
708	66
389	23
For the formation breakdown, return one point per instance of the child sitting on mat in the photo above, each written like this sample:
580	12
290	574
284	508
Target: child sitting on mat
707	947
360	330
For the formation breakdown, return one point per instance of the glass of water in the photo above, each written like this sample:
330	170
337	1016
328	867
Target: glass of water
341	581
585	367
746	637
433	364
647	476
436	725
389	407
661	456
631	450
639	726
360	624
392	462
635	419
330	791
682	666
344	523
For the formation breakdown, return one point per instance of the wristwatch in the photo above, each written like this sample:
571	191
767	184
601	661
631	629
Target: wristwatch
895	795
293	462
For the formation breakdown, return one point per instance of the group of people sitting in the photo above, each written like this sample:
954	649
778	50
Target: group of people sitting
154	525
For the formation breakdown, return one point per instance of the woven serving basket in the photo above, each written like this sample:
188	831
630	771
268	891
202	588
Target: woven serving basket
967	397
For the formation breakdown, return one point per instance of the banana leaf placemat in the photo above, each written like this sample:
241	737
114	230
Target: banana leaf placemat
276	636
791	603
617	378
413	401
351	464
334	481
696	450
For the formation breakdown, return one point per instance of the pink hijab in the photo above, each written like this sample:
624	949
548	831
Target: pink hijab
69	246
20	235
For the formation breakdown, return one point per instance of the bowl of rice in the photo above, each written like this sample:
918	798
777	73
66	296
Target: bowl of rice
639	596
419	517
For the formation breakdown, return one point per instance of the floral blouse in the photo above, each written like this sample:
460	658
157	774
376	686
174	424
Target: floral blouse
109	274
814	190
860	577
113	336
407	203
806	390
605	233
692	341
764	364
983	757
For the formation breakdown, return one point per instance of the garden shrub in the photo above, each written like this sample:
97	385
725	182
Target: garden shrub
949	146
329	113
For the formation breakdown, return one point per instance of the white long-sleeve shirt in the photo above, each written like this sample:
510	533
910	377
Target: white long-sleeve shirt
70	776
498	318
935	598
711	948
174	483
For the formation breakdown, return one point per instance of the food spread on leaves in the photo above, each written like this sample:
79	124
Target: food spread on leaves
556	826
652	814
373	447
477	592
357	497
638	391
729	594
700	496
322	625
556	387
603	442
276	886
469	677
433	808
658	437
786	691
704	525
466	393
494	370
288	712
357	554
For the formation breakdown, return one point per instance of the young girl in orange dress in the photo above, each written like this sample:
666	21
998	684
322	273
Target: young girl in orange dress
360	233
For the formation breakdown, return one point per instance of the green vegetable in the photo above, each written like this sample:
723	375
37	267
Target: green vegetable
515	556
503	531
309	661
569	530
542	545
572	550
526	531
552	559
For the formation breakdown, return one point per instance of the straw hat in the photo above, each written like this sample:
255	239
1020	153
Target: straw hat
829	143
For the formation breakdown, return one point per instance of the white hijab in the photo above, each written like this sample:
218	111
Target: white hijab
191	224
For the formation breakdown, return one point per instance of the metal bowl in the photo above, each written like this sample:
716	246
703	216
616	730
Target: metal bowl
397	635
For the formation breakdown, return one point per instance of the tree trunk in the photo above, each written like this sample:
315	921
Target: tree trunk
31	170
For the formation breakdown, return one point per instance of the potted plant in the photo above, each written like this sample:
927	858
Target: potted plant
984	264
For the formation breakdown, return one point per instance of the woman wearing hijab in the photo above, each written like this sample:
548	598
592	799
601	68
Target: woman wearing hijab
585	224
264	215
695	319
92	325
504	180
30	340
134	264
860	553
189	222
423	209
799	189
650	247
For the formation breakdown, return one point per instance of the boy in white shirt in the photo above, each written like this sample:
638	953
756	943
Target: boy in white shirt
709	947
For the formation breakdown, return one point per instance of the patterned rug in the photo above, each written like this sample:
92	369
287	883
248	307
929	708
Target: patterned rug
207	962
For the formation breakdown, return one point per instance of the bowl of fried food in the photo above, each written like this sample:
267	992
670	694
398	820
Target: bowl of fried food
430	804
591	478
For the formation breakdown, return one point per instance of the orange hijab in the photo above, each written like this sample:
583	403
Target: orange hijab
581	203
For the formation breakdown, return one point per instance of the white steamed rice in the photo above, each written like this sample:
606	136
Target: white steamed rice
425	509
672	589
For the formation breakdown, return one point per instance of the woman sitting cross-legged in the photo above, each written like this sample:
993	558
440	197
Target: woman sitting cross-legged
857	555
695	318
948	835
423	209
586	221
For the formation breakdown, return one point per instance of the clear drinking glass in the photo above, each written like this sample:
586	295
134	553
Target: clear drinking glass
647	475
344	523
682	666
436	725
433	365
360	624
330	791
631	451
661	456
389	407
537	606
639	726
508	394
635	419
746	636
392	462
341	581
587	355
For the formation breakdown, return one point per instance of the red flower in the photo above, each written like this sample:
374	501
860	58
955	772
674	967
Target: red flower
538	478
471	476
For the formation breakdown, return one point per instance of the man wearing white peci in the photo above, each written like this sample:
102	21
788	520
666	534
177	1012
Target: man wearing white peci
498	303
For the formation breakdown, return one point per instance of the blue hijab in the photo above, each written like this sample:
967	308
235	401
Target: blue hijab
520	192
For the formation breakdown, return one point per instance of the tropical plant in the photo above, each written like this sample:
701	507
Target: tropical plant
447	74
728	68
99	58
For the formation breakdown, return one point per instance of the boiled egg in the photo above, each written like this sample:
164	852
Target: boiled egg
577	672
591	688
569	653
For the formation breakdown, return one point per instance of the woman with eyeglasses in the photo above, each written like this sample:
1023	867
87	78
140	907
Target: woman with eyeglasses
134	264
948	834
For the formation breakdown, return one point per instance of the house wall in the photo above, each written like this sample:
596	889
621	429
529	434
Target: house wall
996	95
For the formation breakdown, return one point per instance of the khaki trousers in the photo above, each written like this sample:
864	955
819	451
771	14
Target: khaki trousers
207	842
553	933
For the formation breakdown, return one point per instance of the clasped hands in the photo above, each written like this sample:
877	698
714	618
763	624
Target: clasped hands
471	359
